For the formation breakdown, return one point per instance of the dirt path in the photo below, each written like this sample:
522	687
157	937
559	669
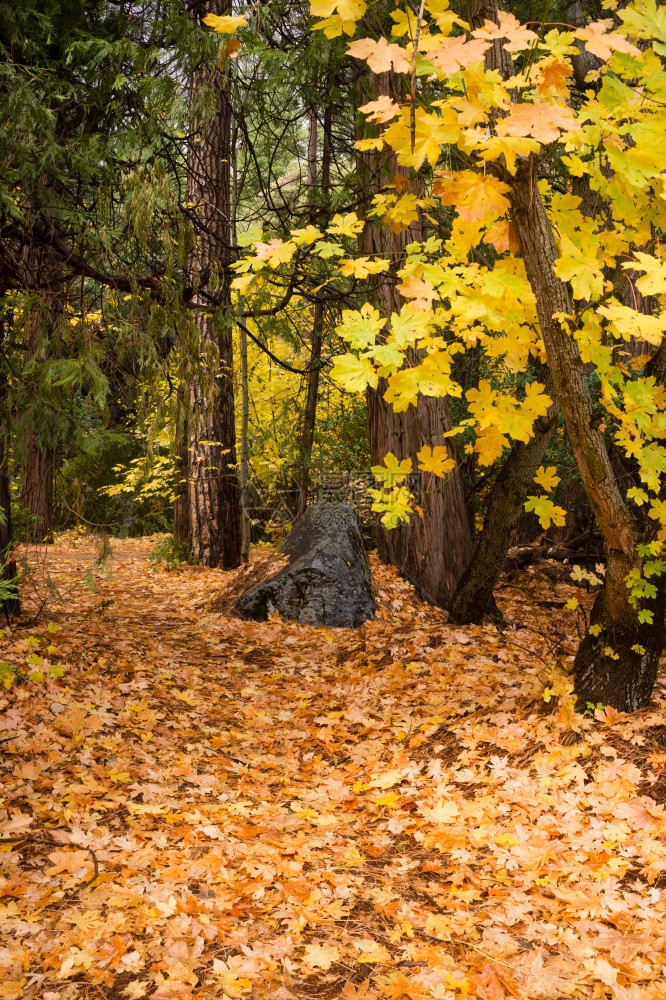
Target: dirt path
272	810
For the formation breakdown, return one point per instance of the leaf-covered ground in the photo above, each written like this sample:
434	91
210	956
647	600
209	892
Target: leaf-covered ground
205	807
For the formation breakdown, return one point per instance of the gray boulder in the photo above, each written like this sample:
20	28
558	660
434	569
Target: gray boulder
327	581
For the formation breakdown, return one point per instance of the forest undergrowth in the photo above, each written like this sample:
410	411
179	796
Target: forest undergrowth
206	807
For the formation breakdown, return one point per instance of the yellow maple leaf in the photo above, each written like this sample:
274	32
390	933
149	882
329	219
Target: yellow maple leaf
393	470
382	110
477	198
436	460
417	288
502	236
489	444
508	146
431	132
544	122
509	28
372	952
334	24
602	43
547	512
453	53
653	282
275	252
365	145
381	56
309	234
225	24
320	956
547	478
391	800
580	266
353	374
361	267
345	225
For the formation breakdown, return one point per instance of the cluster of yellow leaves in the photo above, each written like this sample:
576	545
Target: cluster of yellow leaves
544	508
614	140
498	416
278	810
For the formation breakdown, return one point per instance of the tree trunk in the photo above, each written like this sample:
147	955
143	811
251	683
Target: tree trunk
43	286
214	520
473	598
181	530
433	550
310	415
245	448
37	493
8	571
617	667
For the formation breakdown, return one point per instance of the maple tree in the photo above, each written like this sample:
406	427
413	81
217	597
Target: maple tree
551	296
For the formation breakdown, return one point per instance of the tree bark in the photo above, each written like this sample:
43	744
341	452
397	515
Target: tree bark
37	492
214	518
181	530
473	599
310	415
43	287
618	667
433	550
8	570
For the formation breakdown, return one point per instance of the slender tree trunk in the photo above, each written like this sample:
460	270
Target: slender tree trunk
181	530
433	550
214	517
245	448
8	570
310	414
473	598
618	666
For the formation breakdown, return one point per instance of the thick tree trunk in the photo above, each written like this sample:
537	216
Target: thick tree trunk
214	519
43	284
473	598
433	550
617	667
37	493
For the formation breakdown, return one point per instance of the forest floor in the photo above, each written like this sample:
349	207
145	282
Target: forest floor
205	807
